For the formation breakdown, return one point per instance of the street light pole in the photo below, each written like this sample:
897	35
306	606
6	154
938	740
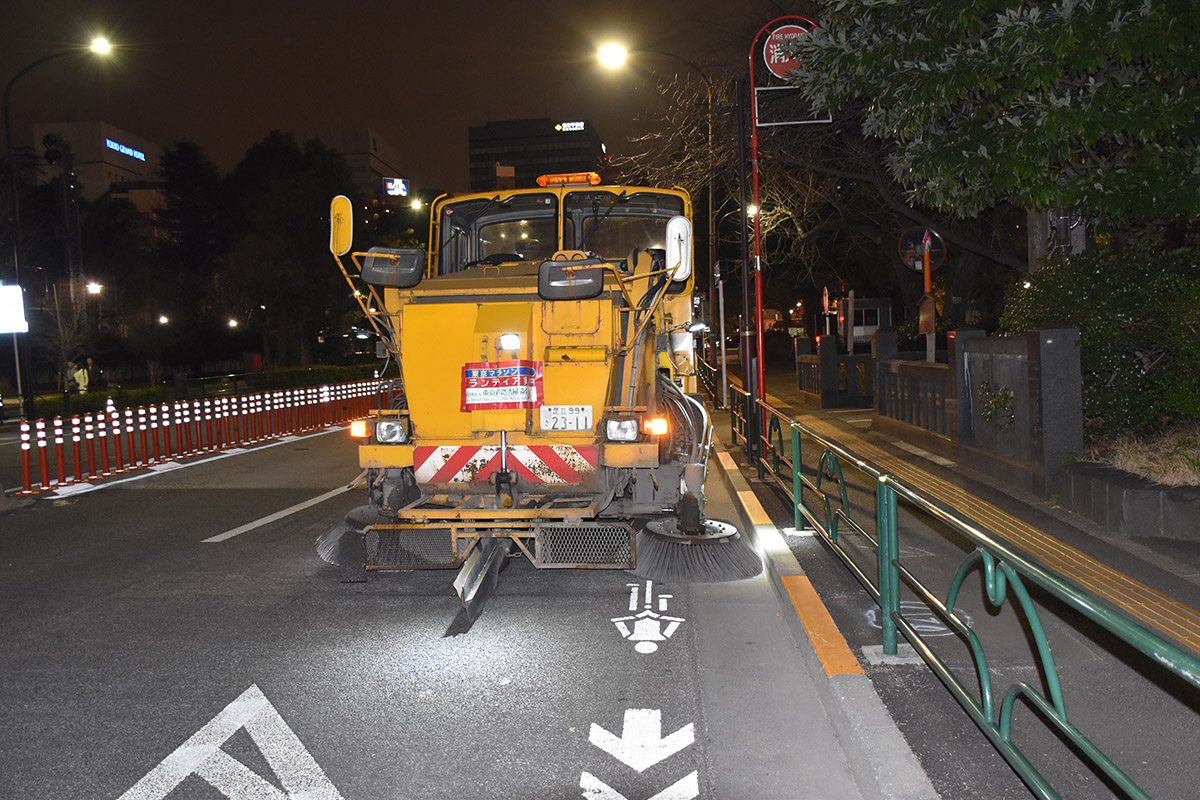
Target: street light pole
99	46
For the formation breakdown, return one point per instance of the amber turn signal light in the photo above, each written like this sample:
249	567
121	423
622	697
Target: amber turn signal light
656	426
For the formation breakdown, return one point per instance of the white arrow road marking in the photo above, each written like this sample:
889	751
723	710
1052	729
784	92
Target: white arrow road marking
201	755
686	788
641	743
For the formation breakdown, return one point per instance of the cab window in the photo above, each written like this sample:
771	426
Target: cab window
611	224
517	227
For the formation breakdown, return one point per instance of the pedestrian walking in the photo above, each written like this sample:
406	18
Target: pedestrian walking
81	376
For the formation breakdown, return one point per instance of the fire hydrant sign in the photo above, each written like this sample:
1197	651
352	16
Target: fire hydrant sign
778	61
502	384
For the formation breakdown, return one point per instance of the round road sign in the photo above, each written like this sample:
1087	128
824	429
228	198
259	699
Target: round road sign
777	59
913	244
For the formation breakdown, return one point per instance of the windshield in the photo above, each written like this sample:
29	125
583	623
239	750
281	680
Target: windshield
525	227
517	228
612	224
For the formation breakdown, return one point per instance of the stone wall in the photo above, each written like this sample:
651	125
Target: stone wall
1127	504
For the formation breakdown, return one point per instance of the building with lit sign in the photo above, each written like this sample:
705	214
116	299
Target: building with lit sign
105	156
531	147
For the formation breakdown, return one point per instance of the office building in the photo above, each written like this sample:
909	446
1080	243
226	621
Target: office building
531	147
104	156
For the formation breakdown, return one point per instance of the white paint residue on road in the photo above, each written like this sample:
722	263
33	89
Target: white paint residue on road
641	744
201	755
923	619
278	515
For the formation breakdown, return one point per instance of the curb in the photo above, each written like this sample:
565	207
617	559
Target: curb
880	760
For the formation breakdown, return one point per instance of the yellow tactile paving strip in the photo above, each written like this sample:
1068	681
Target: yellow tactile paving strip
1151	608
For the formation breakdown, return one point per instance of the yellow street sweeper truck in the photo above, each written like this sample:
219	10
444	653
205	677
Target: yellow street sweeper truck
545	404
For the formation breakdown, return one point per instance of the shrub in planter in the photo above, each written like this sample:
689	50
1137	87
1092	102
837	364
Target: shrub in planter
1137	308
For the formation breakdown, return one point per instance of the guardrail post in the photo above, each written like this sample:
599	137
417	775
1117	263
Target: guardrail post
60	459
733	420
77	446
827	367
797	476
43	466
130	429
114	421
887	533
89	433
885	346
26	458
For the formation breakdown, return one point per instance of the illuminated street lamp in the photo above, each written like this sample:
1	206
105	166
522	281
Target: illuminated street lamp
94	288
614	55
99	46
163	319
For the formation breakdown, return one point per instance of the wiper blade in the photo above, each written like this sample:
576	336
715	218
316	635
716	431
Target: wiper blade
458	230
600	219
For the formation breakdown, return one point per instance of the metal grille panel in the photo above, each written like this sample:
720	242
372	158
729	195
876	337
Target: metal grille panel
410	548
606	545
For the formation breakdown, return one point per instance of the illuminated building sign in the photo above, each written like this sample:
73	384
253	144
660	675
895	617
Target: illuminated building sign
124	150
567	127
396	187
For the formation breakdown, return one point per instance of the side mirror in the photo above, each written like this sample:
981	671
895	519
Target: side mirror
578	279
396	269
679	248
341	225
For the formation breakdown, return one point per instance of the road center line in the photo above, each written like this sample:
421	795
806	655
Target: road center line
267	520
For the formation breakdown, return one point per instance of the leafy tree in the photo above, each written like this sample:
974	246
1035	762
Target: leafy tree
277	276
800	210
1137	309
831	214
118	243
1085	104
190	219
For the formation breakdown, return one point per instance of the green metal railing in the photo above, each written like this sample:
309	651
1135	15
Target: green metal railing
821	499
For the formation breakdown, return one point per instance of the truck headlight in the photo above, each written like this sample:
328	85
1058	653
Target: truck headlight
391	431
621	430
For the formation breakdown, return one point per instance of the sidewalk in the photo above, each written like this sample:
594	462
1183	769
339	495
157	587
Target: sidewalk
1155	582
851	747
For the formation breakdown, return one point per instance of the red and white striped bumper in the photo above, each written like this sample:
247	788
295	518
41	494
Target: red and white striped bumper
550	464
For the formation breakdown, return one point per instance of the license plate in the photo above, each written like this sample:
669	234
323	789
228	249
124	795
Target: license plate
566	418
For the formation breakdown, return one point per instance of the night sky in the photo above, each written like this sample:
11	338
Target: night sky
226	73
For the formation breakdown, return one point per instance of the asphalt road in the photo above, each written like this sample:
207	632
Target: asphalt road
136	654
142	661
10	457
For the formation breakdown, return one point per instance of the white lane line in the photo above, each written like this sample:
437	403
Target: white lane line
267	520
